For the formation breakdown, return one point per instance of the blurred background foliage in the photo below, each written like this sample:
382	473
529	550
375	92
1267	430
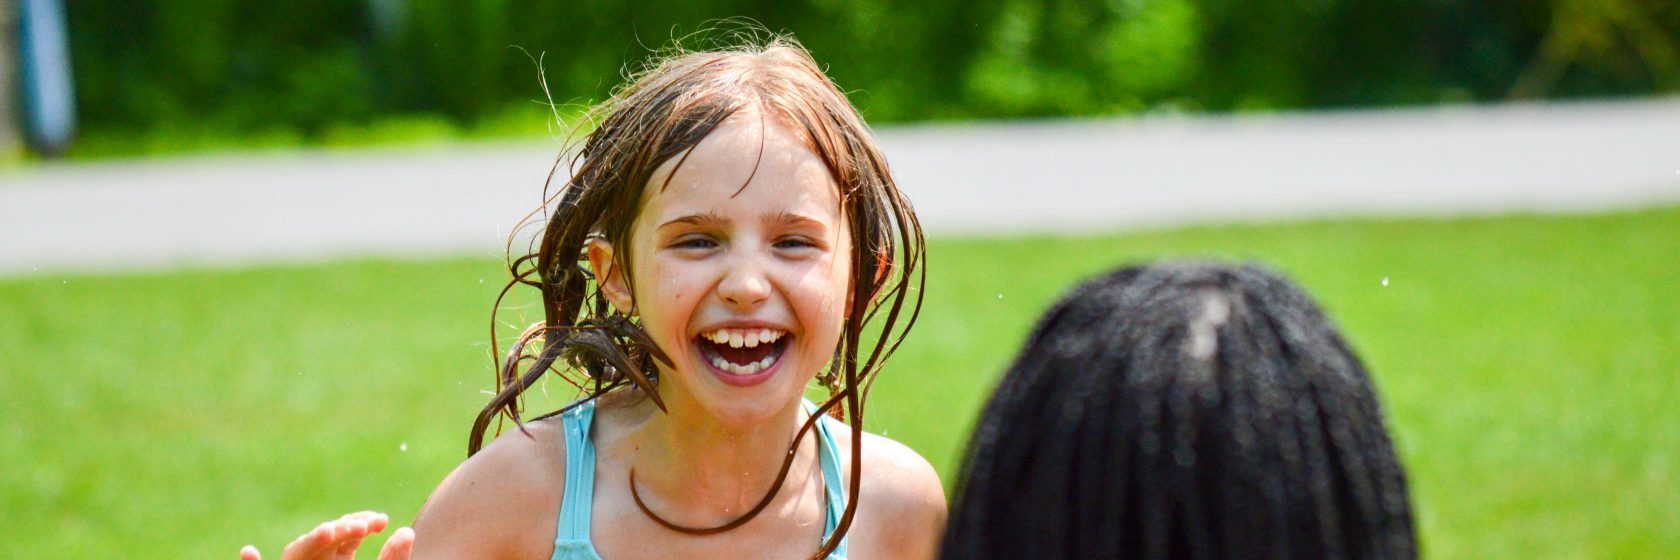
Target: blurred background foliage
160	75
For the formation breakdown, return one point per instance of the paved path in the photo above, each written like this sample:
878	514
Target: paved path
1042	176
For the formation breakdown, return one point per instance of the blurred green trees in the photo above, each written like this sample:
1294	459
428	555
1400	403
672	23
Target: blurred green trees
296	69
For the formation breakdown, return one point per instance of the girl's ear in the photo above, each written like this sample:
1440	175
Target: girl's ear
609	277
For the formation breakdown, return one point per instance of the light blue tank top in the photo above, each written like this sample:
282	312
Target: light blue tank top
571	538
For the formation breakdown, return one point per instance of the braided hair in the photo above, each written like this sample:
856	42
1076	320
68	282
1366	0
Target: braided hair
1183	410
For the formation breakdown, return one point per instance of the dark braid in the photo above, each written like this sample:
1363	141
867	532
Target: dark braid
1183	410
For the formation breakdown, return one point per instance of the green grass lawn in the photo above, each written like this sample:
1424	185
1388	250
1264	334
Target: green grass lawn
1530	367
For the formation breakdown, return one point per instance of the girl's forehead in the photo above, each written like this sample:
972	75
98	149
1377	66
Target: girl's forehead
747	163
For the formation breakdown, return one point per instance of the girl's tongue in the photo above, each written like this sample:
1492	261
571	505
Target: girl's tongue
742	355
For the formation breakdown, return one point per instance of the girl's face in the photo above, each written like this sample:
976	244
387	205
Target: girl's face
742	270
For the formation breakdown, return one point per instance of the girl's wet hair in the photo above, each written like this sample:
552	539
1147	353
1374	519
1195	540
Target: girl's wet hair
661	116
1181	411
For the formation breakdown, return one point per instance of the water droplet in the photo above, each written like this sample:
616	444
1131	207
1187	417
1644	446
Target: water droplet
403	448
1000	295
1385	280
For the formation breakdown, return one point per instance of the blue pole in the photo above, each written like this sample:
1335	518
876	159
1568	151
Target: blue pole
49	101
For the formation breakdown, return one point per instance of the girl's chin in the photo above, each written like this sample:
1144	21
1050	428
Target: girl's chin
731	409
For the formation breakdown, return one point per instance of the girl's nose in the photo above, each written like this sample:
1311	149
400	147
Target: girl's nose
744	287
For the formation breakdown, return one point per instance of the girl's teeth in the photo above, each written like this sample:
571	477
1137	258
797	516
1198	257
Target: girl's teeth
748	338
739	369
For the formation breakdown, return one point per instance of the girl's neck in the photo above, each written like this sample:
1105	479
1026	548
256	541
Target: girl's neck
688	460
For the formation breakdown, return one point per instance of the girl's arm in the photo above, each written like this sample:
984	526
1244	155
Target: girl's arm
902	510
501	503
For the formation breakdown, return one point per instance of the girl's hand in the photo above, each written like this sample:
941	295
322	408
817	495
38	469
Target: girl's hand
338	540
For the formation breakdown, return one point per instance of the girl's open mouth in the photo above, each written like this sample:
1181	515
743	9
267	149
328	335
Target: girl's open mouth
742	354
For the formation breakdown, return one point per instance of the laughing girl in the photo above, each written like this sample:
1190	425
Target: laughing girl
728	235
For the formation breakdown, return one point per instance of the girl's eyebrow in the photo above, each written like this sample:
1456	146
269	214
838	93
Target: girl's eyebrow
701	219
709	218
787	217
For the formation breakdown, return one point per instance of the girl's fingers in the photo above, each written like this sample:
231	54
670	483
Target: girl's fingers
348	537
249	553
336	538
398	546
347	549
376	522
310	545
353	531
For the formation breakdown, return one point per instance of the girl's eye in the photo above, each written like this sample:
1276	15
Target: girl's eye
694	243
795	243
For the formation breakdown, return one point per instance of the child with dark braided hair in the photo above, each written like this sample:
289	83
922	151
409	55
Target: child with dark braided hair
1183	411
728	233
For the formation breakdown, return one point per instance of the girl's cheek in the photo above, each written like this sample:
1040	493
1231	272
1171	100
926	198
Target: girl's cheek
832	306
827	295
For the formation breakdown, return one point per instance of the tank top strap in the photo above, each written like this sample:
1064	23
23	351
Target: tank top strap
571	536
828	458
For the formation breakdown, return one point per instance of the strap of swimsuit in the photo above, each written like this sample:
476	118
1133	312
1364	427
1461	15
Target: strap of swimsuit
828	457
578	502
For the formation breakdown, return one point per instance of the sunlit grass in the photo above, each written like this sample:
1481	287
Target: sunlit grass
1528	365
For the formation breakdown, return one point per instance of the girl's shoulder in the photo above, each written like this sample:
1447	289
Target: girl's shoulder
901	510
502	502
